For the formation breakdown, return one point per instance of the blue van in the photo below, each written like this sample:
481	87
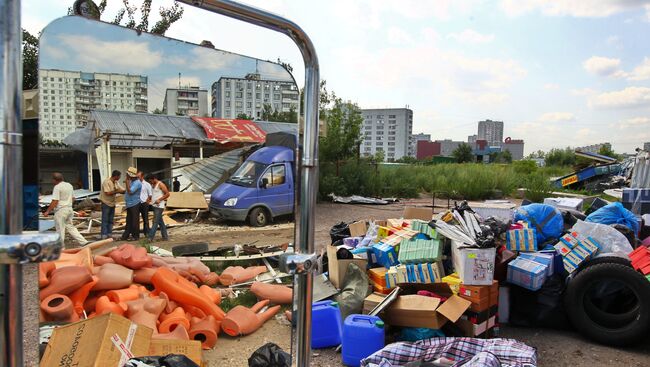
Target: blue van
261	189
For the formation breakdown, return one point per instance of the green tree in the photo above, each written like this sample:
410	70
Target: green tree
560	157
463	153
30	60
243	116
407	159
158	111
343	137
606	150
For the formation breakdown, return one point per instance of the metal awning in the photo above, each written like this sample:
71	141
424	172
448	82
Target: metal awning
206	174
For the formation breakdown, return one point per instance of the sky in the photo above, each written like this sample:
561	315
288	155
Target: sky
557	72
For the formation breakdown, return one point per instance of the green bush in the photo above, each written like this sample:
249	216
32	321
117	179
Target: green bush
525	166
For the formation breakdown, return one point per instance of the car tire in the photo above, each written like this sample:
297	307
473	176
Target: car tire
259	217
190	249
612	328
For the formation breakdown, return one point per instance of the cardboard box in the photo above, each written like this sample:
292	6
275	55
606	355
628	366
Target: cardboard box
189	348
542	258
371	302
378	275
339	268
523	239
482	297
358	229
384	255
476	330
411	310
475	266
527	273
90	342
425	214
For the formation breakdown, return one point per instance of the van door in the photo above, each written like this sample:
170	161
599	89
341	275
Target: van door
275	189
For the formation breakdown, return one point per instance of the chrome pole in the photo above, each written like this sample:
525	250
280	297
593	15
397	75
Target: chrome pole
308	159
11	275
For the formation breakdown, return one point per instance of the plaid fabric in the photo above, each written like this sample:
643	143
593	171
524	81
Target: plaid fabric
465	352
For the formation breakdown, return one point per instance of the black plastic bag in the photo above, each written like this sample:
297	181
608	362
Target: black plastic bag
339	232
170	360
269	355
543	308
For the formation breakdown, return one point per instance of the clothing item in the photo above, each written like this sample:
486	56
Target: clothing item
176	186
63	192
465	352
144	213
108	186
158	222
132	172
63	224
157	194
145	193
132	222
108	216
132	195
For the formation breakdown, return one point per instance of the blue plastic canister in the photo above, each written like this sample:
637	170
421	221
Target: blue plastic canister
326	324
363	335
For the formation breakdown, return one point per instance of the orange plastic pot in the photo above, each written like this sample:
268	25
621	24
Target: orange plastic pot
59	307
169	322
243	321
105	305
185	292
205	331
79	296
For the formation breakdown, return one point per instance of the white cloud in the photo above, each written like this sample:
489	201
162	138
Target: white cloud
573	8
629	97
551	86
557	117
583	92
634	122
398	36
614	41
471	36
641	71
603	66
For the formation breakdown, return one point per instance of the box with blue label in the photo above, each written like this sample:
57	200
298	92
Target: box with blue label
542	258
413	273
384	255
527	273
521	239
419	251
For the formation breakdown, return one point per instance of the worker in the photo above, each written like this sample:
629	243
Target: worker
62	199
159	198
145	201
110	188
176	185
132	201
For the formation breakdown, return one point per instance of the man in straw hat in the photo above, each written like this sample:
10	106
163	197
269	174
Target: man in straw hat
132	201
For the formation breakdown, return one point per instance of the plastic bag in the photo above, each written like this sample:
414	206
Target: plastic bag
170	360
413	334
545	219
614	213
371	235
269	355
609	239
339	232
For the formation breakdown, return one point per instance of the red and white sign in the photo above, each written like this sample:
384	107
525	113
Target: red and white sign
231	131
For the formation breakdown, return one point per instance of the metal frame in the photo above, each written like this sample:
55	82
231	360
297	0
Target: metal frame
308	186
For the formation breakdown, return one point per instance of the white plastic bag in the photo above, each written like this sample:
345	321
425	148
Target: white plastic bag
371	235
609	239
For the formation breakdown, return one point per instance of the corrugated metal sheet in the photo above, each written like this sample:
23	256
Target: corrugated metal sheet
147	125
205	175
277	127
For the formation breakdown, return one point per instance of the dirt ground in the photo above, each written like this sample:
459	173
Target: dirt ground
555	348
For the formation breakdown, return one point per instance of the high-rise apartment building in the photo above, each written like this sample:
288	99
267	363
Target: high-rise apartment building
66	98
490	131
387	130
187	101
646	146
595	148
248	95
471	139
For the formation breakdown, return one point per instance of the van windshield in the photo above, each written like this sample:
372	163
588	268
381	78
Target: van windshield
247	174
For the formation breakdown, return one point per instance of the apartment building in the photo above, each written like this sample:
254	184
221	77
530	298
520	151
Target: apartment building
388	130
66	98
186	101
234	96
490	131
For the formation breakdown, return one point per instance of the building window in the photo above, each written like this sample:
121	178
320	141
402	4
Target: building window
239	94
249	85
239	104
239	85
227	84
227	94
380	116
258	95
391	116
392	122
227	103
249	104
249	95
276	96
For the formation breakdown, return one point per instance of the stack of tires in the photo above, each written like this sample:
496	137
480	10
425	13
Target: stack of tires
609	302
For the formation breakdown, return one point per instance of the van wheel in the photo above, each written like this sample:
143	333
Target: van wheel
258	217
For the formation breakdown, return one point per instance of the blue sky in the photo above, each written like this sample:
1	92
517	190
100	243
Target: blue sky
558	73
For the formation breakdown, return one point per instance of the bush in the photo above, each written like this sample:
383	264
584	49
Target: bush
538	187
524	167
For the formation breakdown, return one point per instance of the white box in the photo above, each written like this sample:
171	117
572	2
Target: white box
475	266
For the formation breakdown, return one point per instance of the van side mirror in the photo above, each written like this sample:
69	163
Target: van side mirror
265	182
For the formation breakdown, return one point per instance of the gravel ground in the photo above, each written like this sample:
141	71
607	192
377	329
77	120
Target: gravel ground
555	348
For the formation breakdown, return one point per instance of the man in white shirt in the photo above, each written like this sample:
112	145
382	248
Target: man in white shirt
145	201
62	199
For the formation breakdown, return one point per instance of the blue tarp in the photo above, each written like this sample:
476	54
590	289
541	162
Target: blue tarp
615	213
545	219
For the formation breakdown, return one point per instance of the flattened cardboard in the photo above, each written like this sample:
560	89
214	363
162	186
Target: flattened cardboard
425	214
189	348
339	268
358	229
187	200
453	308
372	301
88	342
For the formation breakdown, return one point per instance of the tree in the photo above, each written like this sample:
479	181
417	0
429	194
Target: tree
243	116
269	114
407	159
606	150
537	154
463	153
343	137
30	60
158	111
560	157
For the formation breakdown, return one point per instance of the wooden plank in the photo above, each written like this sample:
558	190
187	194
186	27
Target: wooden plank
187	200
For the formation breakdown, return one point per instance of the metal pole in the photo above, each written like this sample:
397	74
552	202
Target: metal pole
11	276
309	159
